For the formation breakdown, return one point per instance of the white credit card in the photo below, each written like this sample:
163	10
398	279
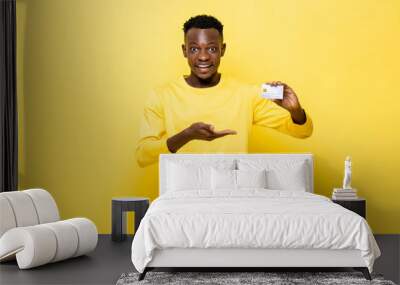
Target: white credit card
271	92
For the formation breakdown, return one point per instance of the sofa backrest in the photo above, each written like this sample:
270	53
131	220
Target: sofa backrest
26	208
234	159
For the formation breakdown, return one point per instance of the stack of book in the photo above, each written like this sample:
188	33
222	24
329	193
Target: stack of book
344	194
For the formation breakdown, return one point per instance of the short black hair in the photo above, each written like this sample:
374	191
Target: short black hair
203	22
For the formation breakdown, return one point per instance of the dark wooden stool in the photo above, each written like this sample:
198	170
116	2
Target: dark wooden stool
119	208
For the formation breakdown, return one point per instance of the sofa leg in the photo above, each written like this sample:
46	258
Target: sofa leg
364	271
143	274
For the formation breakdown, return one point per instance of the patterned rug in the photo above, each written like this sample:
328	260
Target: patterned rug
244	278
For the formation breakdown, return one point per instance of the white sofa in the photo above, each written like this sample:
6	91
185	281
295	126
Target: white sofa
31	231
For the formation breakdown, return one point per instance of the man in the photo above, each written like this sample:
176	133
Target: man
206	112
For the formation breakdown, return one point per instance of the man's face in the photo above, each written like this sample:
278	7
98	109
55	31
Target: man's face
203	48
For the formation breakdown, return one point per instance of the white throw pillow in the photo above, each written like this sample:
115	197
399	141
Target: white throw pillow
281	174
187	174
251	178
290	179
223	179
236	179
181	177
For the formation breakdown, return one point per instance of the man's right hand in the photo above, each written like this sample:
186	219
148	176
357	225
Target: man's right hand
202	131
196	131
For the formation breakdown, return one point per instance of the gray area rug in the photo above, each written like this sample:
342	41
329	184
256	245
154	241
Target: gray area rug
269	278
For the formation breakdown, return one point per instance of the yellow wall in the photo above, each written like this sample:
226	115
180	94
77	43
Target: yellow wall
85	68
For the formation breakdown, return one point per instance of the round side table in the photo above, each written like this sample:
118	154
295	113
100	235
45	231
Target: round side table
119	208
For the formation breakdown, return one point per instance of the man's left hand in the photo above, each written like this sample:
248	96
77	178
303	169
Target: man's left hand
290	102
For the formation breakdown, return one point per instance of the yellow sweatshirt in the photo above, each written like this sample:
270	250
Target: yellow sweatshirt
227	105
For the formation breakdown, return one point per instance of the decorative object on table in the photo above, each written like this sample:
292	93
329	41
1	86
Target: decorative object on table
248	278
357	205
347	192
347	173
32	233
119	208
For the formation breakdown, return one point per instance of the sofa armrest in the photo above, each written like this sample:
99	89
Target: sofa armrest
40	244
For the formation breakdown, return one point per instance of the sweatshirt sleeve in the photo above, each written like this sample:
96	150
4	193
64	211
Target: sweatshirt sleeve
152	134
266	113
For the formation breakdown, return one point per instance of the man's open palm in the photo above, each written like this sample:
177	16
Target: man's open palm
203	131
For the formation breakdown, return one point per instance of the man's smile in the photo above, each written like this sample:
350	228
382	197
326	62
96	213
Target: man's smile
204	67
